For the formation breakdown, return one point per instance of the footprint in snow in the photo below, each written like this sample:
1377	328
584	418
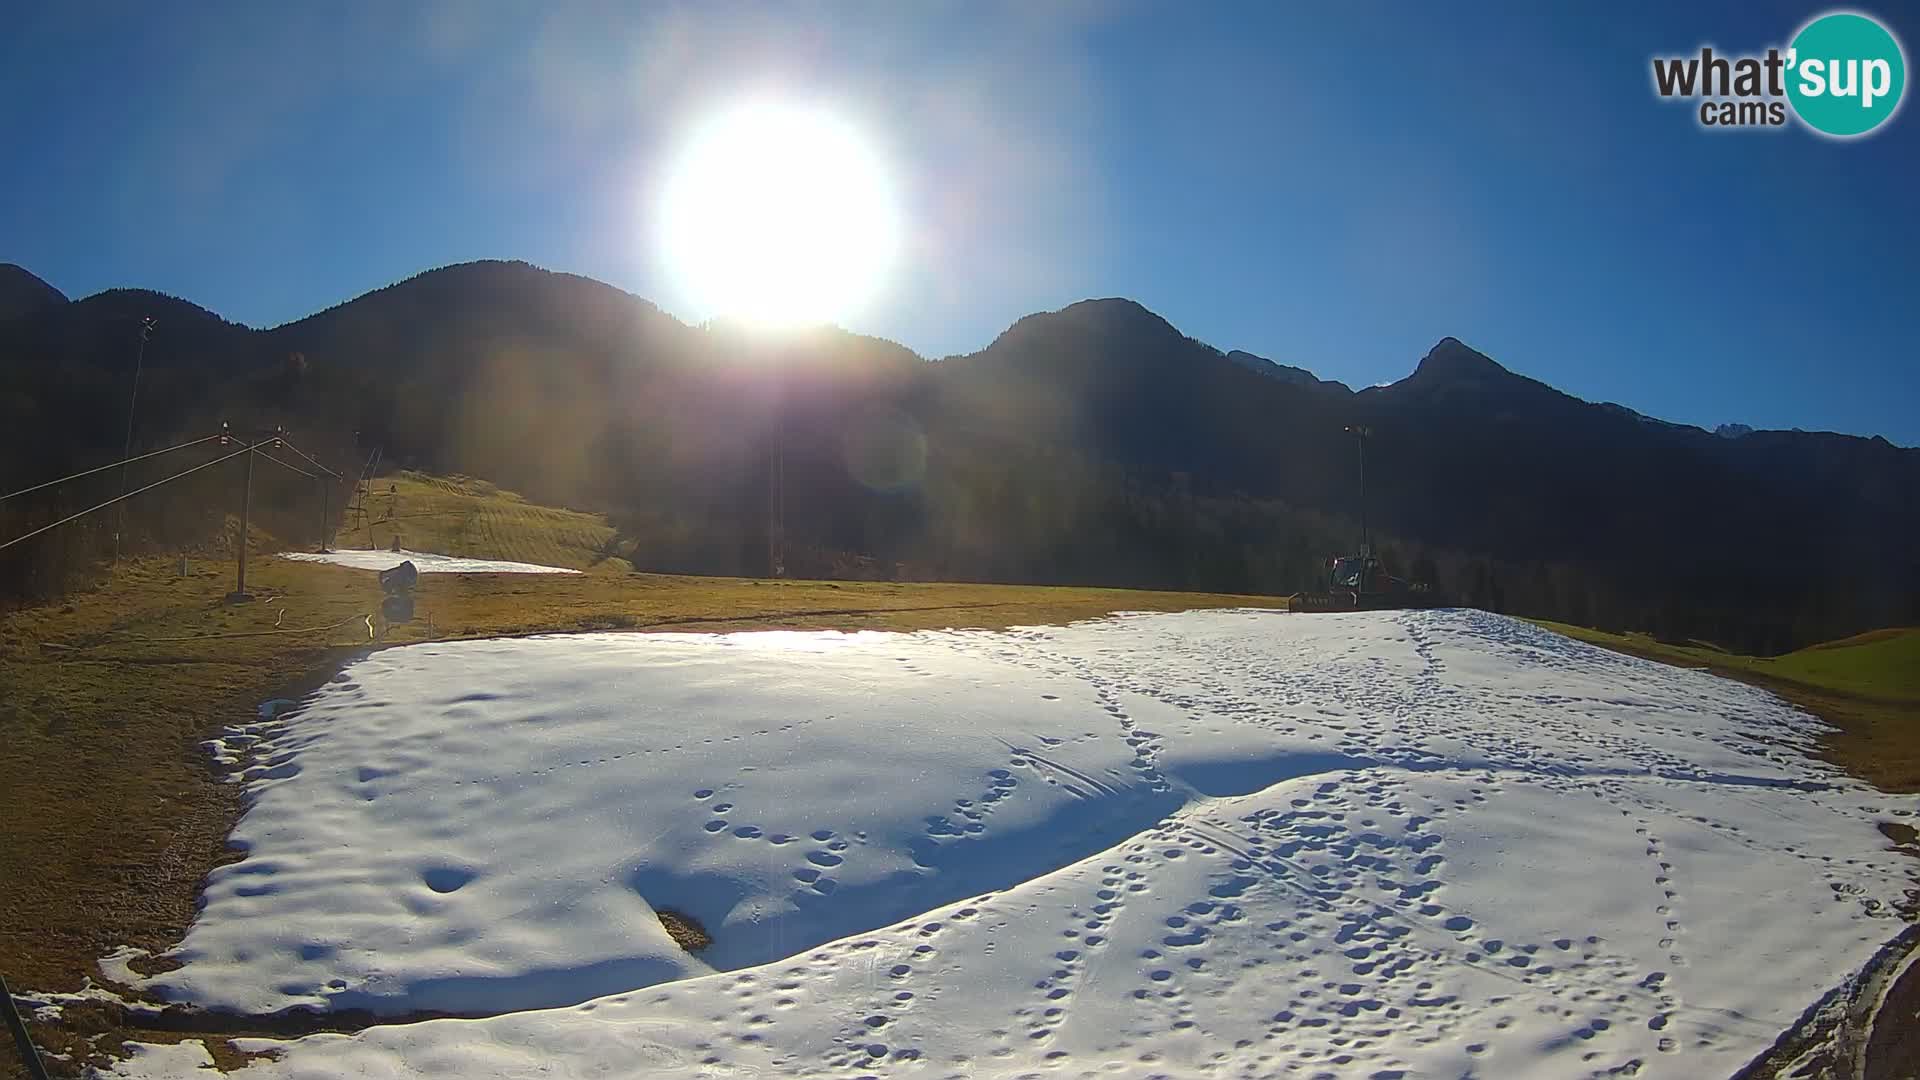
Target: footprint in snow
446	879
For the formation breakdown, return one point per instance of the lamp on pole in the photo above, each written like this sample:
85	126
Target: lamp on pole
772	363
1361	434
777	495
133	398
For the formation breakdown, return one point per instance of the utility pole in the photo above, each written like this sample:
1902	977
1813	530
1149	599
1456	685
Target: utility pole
254	440
1360	436
239	594
777	474
777	507
361	491
320	475
139	360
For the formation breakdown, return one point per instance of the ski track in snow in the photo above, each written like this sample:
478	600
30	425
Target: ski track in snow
1217	843
425	562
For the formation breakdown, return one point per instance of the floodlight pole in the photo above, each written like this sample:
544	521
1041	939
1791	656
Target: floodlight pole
777	475
1360	435
139	360
777	511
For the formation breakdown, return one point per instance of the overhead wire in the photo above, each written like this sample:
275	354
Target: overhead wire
257	447
104	468
101	506
309	460
289	468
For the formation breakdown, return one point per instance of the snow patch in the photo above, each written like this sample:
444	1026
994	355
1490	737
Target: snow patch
115	965
165	1061
47	1007
1434	843
424	561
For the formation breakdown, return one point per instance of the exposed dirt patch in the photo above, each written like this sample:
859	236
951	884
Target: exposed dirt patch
1906	838
1893	1048
685	930
1862	1030
110	1025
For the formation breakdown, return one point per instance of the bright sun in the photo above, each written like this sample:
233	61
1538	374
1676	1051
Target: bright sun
778	214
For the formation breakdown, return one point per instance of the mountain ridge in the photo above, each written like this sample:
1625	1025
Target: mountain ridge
1094	444
1448	360
23	292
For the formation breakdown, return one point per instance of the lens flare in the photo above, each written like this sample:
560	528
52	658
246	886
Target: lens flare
885	450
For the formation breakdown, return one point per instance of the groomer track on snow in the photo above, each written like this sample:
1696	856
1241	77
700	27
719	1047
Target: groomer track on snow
1218	843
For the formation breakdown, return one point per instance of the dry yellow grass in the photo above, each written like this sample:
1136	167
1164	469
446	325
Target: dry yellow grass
115	811
473	519
117	815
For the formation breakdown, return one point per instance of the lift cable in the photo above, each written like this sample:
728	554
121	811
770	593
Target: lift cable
303	456
110	465
289	468
101	506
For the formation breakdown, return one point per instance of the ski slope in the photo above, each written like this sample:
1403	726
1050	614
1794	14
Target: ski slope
424	561
1233	843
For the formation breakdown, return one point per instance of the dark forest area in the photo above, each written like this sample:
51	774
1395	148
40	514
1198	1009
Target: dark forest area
1096	445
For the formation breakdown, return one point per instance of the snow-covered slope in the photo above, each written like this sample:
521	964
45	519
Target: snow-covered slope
1234	843
424	561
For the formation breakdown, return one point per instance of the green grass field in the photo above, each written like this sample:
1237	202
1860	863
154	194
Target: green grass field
1881	663
1867	686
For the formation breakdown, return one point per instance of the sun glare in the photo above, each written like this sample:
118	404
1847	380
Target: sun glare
778	214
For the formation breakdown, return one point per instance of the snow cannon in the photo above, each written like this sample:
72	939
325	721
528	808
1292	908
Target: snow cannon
398	584
1361	583
399	579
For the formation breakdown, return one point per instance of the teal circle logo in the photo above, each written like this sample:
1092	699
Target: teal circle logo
1845	74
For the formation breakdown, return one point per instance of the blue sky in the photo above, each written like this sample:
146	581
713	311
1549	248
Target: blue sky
1334	186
